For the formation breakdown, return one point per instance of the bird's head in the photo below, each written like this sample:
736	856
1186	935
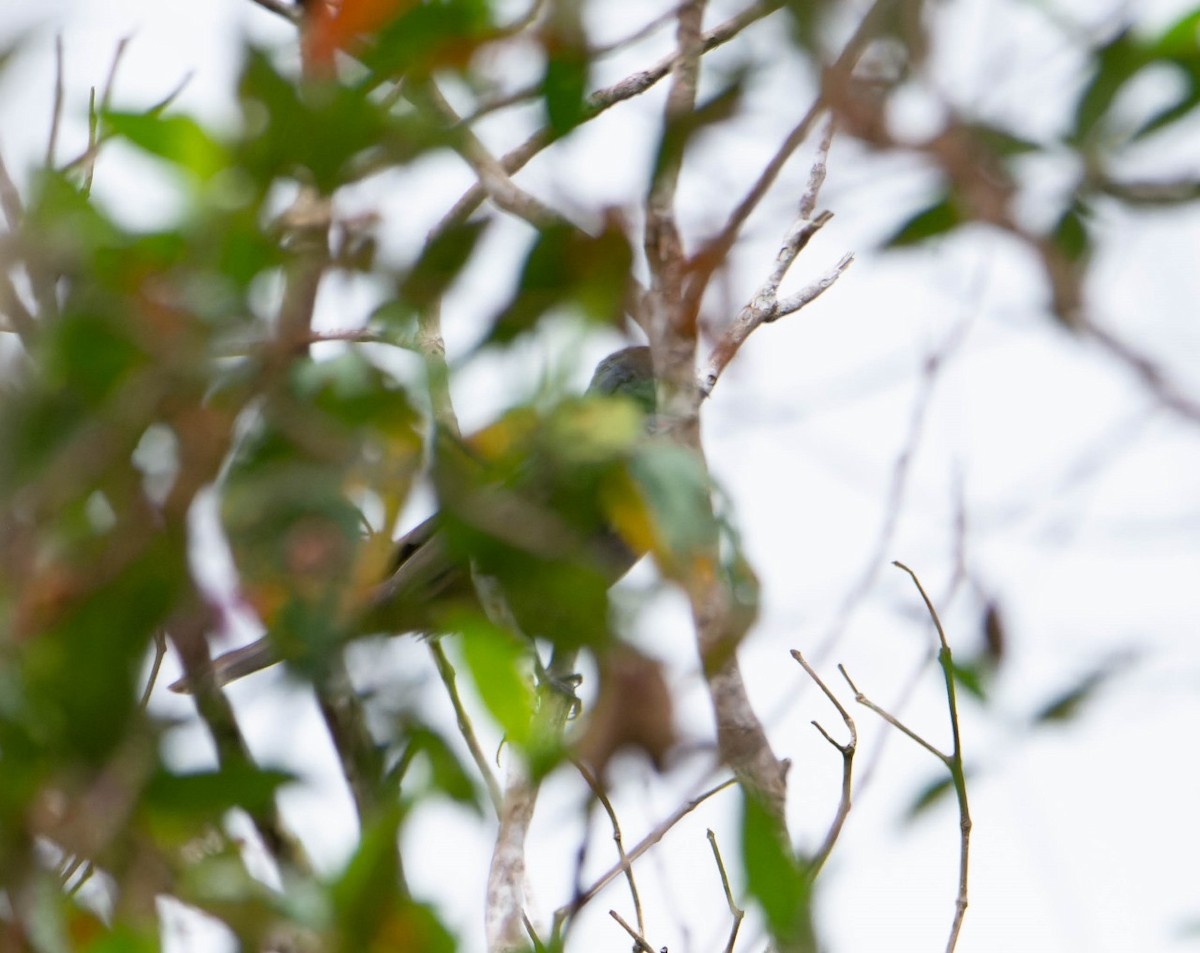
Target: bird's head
628	373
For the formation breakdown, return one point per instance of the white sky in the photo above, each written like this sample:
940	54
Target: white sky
1080	494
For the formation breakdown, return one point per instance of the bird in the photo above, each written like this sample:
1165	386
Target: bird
505	529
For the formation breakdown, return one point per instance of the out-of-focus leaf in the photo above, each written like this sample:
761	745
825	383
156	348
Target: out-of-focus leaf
448	774
1000	142
676	491
1115	63
1068	704
565	267
210	794
441	262
498	662
774	879
970	675
78	670
565	80
180	140
323	127
123	940
932	794
937	219
370	908
426	36
678	133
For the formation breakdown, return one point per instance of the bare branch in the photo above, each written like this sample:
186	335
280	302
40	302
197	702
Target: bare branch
847	751
1148	372
93	114
465	728
600	101
954	763
658	833
493	176
898	489
638	940
737	912
618	839
892	719
57	109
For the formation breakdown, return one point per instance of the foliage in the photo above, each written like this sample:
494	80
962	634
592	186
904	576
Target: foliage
146	371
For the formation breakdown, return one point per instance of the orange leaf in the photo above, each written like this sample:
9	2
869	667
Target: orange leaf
332	28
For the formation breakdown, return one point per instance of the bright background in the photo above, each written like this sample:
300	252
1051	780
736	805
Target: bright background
1030	459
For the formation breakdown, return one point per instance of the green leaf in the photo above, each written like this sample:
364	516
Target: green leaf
499	662
564	88
449	776
180	140
1070	233
441	262
566	267
1068	704
774	879
210	794
929	796
1114	64
937	219
371	909
676	490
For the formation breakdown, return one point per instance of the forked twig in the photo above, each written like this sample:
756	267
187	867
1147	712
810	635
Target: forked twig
953	761
847	751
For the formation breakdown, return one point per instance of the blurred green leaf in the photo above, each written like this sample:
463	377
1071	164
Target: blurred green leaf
442	33
123	940
676	490
209	794
442	260
929	796
774	879
1068	704
566	267
321	127
371	909
180	140
1114	64
449	776
1070	233
564	88
499	664
937	219
972	676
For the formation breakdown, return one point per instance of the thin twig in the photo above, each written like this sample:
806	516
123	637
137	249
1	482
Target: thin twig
94	114
847	751
10	198
893	720
658	833
602	797
957	770
492	175
638	940
600	101
952	761
160	650
737	912
57	109
893	508
465	728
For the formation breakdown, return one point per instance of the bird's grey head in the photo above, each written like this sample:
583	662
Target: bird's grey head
628	372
